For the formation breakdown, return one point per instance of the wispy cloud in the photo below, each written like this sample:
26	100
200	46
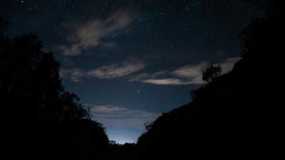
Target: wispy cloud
185	75
167	81
121	117
112	71
190	71
229	63
132	70
143	76
117	70
91	34
74	74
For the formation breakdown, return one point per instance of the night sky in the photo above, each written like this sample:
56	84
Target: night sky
131	60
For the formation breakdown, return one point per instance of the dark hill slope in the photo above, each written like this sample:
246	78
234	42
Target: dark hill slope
234	116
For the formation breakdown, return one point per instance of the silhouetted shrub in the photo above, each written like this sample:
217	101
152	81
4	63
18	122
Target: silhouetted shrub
211	72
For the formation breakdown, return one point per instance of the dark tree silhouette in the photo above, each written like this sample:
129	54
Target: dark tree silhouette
41	119
212	72
1	25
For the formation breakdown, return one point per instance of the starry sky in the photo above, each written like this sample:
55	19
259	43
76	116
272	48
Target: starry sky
131	60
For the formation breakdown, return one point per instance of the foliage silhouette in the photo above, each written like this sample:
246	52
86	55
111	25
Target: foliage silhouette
211	72
42	120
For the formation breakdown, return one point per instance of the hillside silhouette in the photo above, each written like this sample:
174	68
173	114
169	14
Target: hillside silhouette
233	116
40	119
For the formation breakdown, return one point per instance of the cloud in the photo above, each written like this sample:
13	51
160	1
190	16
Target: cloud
143	76
121	117
74	75
190	71
91	34
166	81
117	70
185	75
113	71
229	63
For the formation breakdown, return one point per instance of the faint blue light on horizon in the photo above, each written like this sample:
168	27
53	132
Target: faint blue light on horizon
122	140
122	136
